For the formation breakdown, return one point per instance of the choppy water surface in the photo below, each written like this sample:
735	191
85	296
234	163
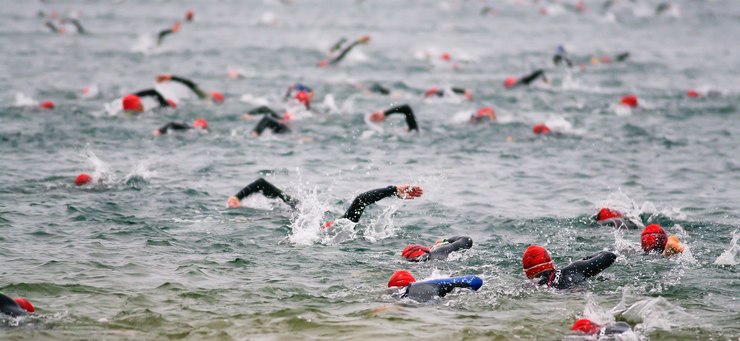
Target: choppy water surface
151	252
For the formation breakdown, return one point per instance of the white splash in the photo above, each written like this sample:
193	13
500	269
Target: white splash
382	227
22	100
729	256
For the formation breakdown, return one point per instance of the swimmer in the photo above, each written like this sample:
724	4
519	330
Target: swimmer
132	102
175	28
214	95
512	82
344	52
539	268
435	92
403	284
654	239
379	116
199	124
303	94
15	307
483	115
76	23
439	251
277	126
609	217
353	213
337	46
541	129
588	327
561	57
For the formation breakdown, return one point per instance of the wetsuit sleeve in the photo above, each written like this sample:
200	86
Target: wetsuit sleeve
271	123
406	111
623	56
377	88
51	26
453	244
173	126
531	77
459	91
338	45
589	266
9	307
155	94
263	110
354	212
267	189
163	34
78	26
344	52
191	85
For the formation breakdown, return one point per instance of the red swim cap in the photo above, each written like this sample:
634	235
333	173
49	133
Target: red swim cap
303	97
172	103
510	82
536	260
412	252
606	213
445	56
606	59
540	128
586	326
189	15
82	179
653	238
133	103
327	225
629	100
27	306
217	96
692	93
401	278
486	111
47	105
200	123
431	92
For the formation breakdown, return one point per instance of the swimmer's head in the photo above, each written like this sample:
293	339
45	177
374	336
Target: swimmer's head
172	103
401	278
653	238
586	326
432	92
540	128
82	179
200	124
445	56
486	112
509	82
189	15
606	213
415	252
27	306
692	93
629	100
303	97
217	97
536	260
364	39
47	105
132	103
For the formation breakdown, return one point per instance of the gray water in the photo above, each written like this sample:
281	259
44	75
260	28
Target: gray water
151	251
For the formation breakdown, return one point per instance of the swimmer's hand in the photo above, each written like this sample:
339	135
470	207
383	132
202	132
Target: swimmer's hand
377	116
673	246
164	77
409	191
156	132
234	202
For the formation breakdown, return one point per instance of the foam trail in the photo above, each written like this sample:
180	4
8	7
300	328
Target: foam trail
382	227
729	256
101	170
656	314
306	226
21	100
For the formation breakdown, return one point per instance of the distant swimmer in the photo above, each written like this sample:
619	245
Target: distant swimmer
189	15
512	82
353	213
214	95
618	58
160	36
439	251
588	327
343	53
404	285
614	218
541	129
277	126
15	307
561	57
379	116
483	115
199	124
538	266
75	23
453	91
132	102
654	239
303	94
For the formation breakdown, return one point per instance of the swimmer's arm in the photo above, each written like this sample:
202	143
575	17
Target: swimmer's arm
191	85
173	126
453	244
591	265
459	91
531	77
80	29
263	110
271	123
344	52
355	210
163	34
407	112
51	26
155	94
266	188
338	45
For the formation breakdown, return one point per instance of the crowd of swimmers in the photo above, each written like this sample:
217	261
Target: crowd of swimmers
537	263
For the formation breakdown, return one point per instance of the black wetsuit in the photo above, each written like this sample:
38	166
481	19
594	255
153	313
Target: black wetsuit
457	243
616	328
528	79
622	56
578	271
174	126
191	85
379	89
455	90
263	110
78	26
163	34
619	222
354	212
153	93
272	123
561	58
344	52
51	26
337	45
8	306
407	112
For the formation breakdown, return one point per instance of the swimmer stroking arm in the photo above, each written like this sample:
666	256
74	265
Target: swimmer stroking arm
263	110
526	80
184	81
173	126
337	45
448	245
153	93
579	271
379	116
267	189
355	210
269	122
10	307
346	50
164	33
